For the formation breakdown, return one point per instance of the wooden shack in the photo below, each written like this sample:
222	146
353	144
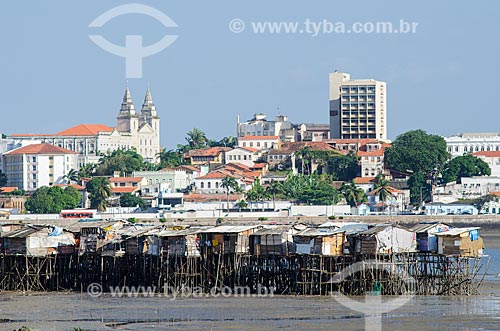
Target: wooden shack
464	242
425	234
273	240
129	239
227	239
94	234
31	240
180	242
385	239
320	241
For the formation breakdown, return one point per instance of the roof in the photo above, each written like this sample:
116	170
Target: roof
456	231
213	175
124	189
258	166
389	188
487	153
23	232
79	130
379	228
230	229
259	138
8	189
365	180
315	232
210	151
46	149
274	230
85	130
249	149
126	179
75	186
424	227
188	167
378	152
183	232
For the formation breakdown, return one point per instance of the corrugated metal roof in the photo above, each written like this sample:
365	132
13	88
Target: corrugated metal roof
184	232
230	228
424	227
456	231
315	232
352	228
23	232
274	230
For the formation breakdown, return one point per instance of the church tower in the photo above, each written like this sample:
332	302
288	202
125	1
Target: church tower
128	121
148	113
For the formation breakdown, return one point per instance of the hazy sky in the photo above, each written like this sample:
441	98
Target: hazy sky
442	78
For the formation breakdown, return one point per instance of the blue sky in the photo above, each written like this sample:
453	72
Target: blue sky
441	79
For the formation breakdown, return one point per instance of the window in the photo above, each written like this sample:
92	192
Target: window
202	185
209	185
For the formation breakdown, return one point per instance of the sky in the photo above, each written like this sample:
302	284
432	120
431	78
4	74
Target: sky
441	79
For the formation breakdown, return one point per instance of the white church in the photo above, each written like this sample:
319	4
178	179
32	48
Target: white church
133	130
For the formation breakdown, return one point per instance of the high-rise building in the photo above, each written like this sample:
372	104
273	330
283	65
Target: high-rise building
358	108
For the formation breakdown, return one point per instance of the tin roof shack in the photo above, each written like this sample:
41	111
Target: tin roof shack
274	240
227	239
385	239
351	230
464	242
94	234
426	235
34	240
320	241
180	242
129	240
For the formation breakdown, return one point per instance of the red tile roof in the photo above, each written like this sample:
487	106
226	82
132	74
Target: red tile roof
124	189
364	180
79	130
8	189
126	179
259	138
487	153
378	152
211	151
188	167
214	175
250	149
45	149
76	186
258	166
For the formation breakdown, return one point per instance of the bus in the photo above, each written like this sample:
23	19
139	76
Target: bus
78	213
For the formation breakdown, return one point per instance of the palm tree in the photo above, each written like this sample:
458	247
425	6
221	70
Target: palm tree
228	183
196	138
251	196
169	158
304	154
353	195
273	189
71	176
100	190
241	204
382	188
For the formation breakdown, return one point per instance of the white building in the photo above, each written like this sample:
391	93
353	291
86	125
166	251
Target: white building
33	166
313	132
244	155
259	142
358	108
492	158
464	143
139	131
259	126
165	180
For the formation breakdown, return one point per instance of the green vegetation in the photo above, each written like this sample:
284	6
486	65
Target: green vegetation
3	179
465	166
72	176
258	193
311	190
344	168
123	161
52	200
99	190
130	200
229	183
353	195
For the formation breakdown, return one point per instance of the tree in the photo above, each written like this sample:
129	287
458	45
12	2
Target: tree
196	138
353	195
99	190
273	189
260	192
229	183
251	195
344	168
3	179
304	155
382	188
87	171
229	141
420	189
123	161
169	158
130	200
465	166
312	189
72	176
52	200
241	204
416	151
